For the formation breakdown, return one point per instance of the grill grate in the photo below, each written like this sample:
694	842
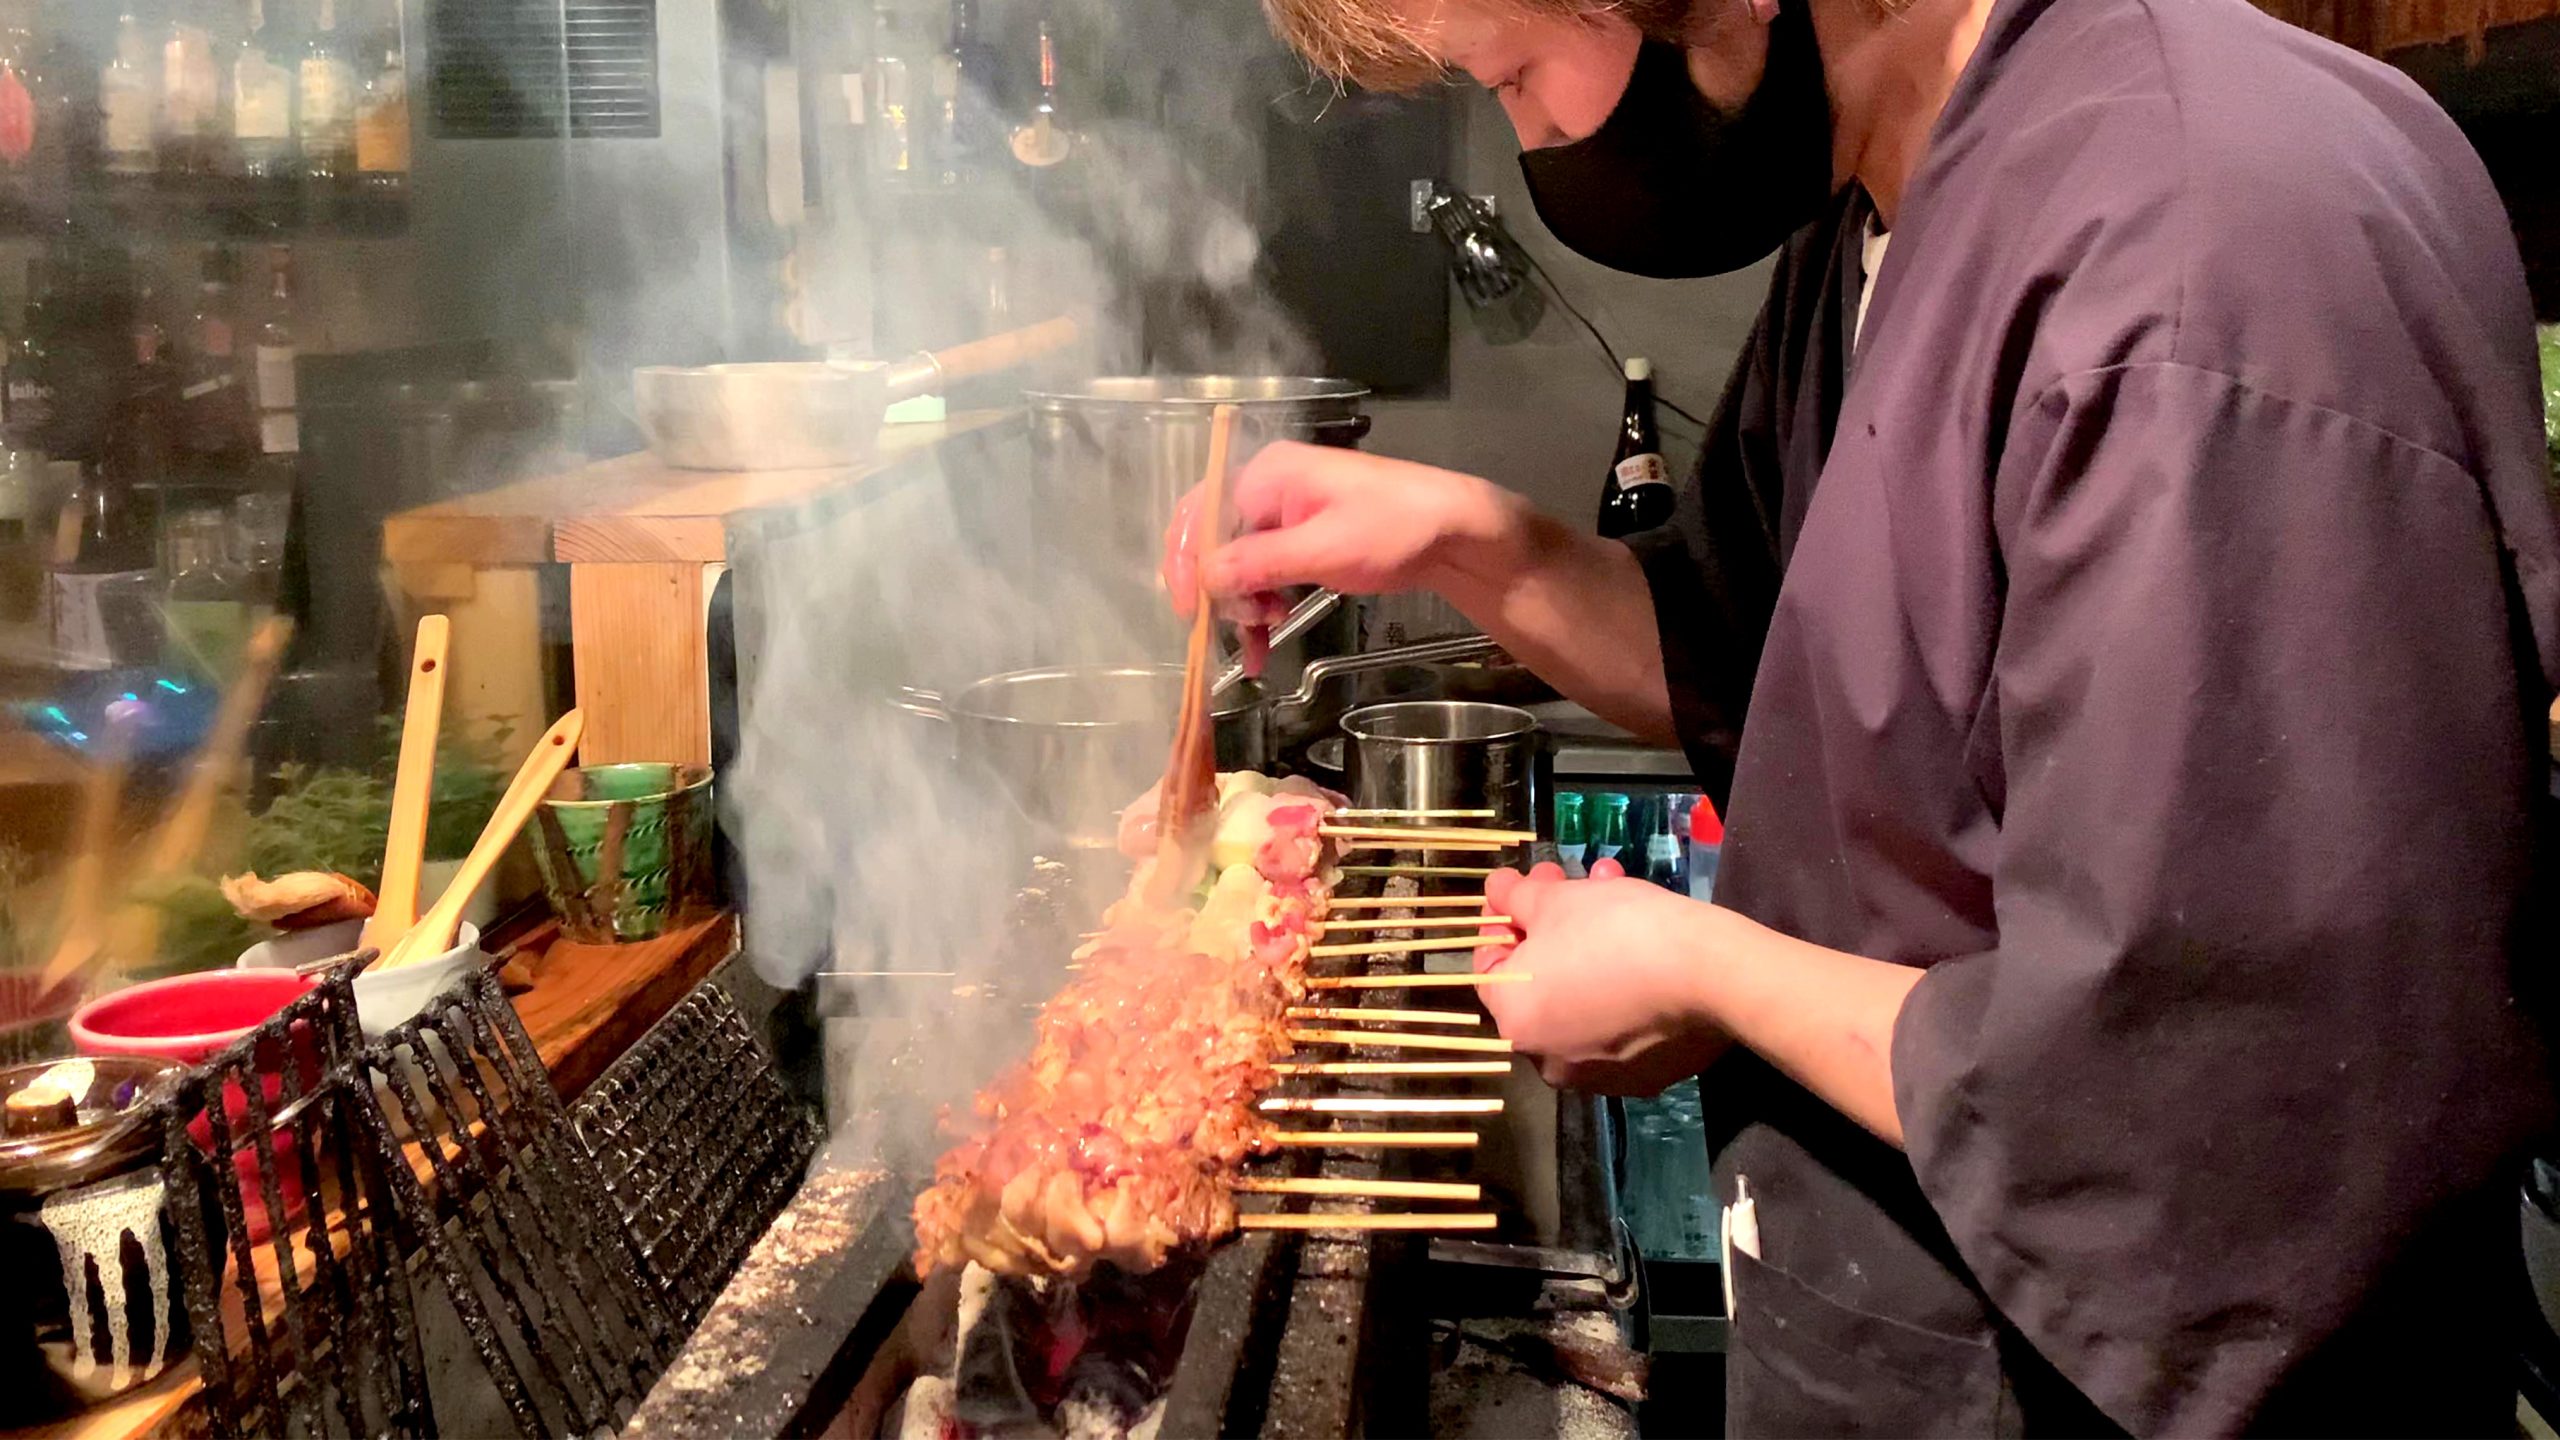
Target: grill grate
510	1211
539	69
700	1145
271	1172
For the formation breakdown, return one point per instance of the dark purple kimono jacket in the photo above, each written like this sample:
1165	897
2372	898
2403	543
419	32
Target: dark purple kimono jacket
2160	660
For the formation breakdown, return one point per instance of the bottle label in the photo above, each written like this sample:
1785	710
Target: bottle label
1571	858
382	136
84	635
1645	469
280	432
327	98
127	116
275	377
29	405
1661	850
262	100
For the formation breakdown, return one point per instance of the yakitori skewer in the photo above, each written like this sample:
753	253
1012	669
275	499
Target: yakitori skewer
1410	922
1373	813
1376	1139
1380	1105
1406	902
1408	1039
1390	1067
1456	1220
1417	982
1432	944
1388	1017
1359	1189
1454	872
1429	835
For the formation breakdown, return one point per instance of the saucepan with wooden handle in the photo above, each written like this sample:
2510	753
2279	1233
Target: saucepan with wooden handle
810	415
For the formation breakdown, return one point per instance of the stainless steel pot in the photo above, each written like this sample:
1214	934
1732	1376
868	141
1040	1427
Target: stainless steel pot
1070	744
1111	458
1444	755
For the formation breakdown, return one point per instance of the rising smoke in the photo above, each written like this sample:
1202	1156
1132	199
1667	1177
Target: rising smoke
878	861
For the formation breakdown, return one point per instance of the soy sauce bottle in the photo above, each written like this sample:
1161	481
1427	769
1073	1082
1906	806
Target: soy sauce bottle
1637	495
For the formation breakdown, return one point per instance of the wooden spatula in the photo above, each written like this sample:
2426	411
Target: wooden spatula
395	907
1191	771
433	934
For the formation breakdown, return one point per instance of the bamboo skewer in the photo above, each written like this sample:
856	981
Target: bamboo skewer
1461	872
1360	813
1409	1039
1379	1139
1417	982
1445	847
1391	1017
1417	922
1455	1220
1429	836
1358	1189
1436	944
1391	1067
1411	902
1380	1105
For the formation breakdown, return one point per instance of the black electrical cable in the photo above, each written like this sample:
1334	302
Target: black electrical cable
1601	340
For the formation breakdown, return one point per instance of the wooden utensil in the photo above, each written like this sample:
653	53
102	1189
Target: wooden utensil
1190	772
433	934
181	836
80	936
395	907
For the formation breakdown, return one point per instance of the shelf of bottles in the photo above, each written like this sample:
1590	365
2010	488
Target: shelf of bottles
202	118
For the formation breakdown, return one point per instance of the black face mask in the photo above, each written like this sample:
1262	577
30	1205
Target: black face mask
1672	187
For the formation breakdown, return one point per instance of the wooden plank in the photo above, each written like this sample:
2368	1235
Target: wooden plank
589	1003
643	662
673	514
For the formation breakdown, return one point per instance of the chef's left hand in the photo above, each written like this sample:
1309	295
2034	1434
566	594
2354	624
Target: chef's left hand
1613	1005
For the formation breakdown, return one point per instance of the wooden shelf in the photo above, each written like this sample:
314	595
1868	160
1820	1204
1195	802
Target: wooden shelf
635	509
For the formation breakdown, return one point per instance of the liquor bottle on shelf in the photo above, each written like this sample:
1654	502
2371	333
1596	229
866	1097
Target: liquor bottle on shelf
190	101
897	150
129	101
101	593
1573	833
382	125
213	403
19	117
1045	139
262	100
325	96
272	369
1637	494
1609	835
207	609
965	86
1666	862
26	378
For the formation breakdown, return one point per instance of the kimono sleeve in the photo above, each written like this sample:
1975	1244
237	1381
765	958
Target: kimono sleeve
2259	698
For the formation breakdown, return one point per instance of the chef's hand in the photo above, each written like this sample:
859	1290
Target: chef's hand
1612	1006
1318	515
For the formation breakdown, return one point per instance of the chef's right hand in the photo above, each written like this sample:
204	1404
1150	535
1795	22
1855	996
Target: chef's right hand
1318	515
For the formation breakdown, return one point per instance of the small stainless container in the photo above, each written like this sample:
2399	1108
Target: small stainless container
1445	755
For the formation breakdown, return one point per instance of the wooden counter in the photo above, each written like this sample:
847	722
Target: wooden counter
642	541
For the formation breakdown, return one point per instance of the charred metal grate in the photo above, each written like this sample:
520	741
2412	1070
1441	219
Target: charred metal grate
511	1212
285	1229
540	69
700	1145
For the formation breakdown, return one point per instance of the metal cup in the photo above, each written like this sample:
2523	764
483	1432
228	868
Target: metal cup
1445	755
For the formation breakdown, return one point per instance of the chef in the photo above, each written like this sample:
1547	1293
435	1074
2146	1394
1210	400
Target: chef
2119	601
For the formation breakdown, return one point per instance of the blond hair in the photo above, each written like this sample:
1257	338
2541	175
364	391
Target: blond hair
1375	43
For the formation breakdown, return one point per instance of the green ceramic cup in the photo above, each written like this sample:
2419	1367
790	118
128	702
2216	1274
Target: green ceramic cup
632	878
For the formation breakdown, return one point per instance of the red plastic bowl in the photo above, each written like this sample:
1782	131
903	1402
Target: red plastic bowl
185	1018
